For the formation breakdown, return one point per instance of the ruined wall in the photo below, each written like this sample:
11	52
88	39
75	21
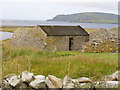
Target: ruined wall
29	37
61	43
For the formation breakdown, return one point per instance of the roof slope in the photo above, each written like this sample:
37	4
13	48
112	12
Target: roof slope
64	30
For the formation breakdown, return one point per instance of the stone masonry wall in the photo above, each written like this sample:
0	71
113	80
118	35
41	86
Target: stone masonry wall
28	37
61	43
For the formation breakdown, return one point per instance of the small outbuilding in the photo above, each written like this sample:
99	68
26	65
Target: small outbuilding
54	38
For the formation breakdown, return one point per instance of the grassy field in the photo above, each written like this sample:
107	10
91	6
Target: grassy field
72	63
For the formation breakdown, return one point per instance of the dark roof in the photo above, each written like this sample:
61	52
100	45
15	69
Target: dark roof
64	30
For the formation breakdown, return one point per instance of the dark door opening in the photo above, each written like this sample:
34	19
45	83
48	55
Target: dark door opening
70	43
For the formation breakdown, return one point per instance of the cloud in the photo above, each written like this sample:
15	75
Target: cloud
45	10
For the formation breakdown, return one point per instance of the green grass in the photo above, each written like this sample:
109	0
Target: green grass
72	63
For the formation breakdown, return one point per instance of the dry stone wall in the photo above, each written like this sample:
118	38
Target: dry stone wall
61	43
27	80
102	40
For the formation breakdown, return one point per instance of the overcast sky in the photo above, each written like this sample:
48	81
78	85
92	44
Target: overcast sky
47	9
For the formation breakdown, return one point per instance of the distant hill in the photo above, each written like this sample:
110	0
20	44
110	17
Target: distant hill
93	17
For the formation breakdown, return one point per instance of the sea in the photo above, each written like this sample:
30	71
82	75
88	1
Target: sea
8	35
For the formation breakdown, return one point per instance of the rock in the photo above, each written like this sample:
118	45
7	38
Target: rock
84	80
49	83
69	85
67	80
109	78
5	84
75	82
40	77
106	84
116	75
24	85
27	76
7	77
38	84
53	82
85	85
14	81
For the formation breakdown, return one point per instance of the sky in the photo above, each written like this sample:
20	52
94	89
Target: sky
47	9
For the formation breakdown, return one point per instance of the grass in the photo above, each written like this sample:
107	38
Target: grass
72	63
8	29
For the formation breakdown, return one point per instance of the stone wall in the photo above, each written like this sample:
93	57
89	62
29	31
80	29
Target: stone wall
28	37
37	39
27	80
61	43
103	40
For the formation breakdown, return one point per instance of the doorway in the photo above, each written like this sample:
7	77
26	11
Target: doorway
70	43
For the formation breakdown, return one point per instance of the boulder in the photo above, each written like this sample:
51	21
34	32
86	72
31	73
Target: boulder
5	84
69	85
67	80
109	78
116	75
53	82
49	83
85	85
7	77
14	81
106	84
84	80
27	76
24	86
38	84
40	77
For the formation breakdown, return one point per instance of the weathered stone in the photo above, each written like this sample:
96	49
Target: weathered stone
49	83
106	84
7	77
67	80
24	86
54	82
69	85
116	75
37	83
84	80
5	84
109	78
75	82
85	85
27	76
14	81
40	77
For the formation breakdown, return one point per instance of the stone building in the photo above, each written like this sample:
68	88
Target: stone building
55	38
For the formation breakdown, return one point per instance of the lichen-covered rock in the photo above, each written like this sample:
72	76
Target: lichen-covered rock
14	81
84	80
38	84
27	76
106	84
54	82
